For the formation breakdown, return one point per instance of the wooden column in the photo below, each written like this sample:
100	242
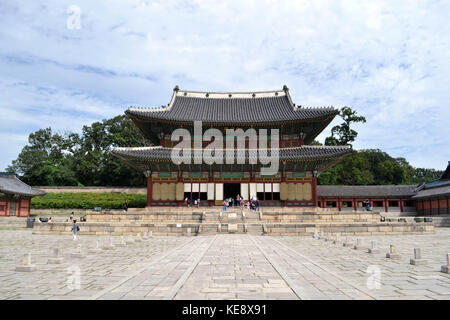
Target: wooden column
314	191
401	205
149	190
7	205
386	206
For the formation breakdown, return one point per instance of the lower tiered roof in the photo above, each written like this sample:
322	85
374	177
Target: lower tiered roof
146	155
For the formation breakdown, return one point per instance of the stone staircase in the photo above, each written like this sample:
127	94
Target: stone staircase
208	221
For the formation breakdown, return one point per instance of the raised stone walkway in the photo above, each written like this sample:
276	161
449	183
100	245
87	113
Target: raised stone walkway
234	266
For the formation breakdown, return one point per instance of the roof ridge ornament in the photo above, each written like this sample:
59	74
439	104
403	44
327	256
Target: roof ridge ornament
176	89
285	88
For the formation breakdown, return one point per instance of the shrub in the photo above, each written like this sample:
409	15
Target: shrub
88	200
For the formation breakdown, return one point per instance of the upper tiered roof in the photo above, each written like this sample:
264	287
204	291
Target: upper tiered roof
232	107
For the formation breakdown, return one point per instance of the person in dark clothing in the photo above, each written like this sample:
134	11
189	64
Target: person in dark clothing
125	205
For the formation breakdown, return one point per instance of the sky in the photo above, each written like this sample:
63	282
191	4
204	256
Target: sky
65	64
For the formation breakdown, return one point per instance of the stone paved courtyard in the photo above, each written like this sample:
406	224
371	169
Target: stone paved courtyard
235	266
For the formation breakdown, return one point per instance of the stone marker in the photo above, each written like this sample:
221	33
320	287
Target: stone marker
26	264
245	227
328	238
138	238
264	228
129	240
392	254
77	254
335	240
243	215
121	243
95	249
346	243
359	245
109	246
418	258
373	248
188	232
315	235
260	215
446	269
56	259
151	234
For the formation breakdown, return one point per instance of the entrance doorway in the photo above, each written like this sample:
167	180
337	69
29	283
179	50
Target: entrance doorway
12	208
231	190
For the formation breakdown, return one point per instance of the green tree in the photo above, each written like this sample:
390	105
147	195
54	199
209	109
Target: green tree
81	159
375	167
43	161
342	134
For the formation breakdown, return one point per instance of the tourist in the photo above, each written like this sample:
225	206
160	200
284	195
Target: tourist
195	202
71	216
185	201
232	202
189	202
248	205
257	204
75	228
198	203
51	220
225	205
125	206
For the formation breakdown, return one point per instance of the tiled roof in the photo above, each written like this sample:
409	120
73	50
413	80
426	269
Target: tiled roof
10	184
366	191
270	106
433	192
304	152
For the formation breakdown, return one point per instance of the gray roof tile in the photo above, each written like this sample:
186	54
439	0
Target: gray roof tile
264	107
10	184
304	152
366	191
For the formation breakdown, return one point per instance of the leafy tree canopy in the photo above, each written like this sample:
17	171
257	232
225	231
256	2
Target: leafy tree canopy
80	159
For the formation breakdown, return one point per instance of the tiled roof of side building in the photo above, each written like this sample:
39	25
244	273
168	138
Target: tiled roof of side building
10	184
433	192
366	191
304	152
229	107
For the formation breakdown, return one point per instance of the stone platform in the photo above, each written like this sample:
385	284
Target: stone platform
209	221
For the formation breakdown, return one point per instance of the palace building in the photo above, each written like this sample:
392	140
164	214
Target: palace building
298	162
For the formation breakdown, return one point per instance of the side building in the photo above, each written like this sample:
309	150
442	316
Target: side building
15	196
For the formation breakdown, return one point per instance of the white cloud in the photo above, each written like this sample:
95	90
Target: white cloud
389	60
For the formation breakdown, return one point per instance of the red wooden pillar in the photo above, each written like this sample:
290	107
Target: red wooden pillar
8	204
314	191
355	205
149	190
448	205
339	204
401	205
386	206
